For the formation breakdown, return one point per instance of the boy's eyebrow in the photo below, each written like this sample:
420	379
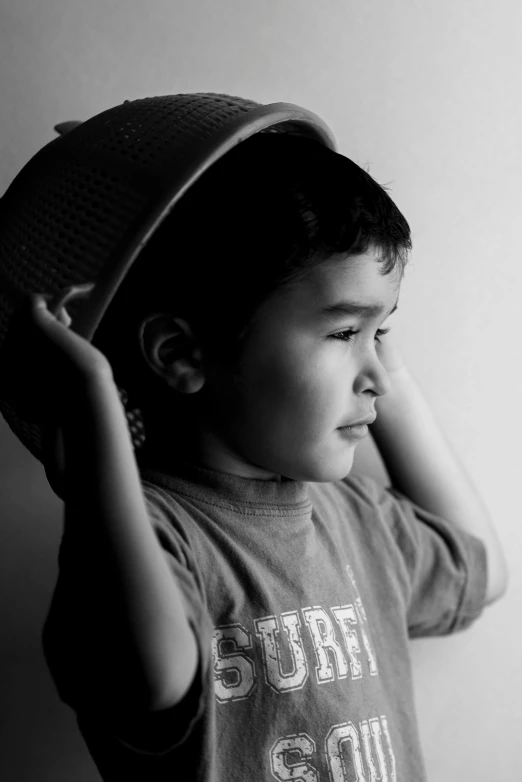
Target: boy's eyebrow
343	308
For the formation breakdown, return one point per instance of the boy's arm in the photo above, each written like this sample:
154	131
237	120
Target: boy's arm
138	590
423	466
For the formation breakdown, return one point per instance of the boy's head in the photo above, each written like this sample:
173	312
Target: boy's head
217	333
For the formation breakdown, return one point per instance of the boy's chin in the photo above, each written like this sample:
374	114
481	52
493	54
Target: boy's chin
328	470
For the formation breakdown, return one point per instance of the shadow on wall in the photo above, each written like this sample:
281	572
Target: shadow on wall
38	735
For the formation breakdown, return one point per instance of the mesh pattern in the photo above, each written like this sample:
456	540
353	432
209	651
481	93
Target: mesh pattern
63	232
151	134
76	210
134	420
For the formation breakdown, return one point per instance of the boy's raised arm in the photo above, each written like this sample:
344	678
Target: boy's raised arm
122	626
423	466
139	601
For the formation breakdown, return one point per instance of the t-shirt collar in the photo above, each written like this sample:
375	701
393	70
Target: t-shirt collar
201	482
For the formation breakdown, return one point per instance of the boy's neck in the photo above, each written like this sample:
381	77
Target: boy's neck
205	451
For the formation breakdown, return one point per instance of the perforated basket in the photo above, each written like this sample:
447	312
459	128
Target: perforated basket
84	206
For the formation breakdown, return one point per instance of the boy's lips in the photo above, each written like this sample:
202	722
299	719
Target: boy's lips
368	420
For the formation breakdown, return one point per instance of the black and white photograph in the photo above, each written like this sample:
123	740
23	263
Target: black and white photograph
259	377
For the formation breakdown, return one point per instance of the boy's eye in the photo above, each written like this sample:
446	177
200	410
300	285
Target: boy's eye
348	334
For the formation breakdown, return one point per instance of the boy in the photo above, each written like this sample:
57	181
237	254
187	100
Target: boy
232	604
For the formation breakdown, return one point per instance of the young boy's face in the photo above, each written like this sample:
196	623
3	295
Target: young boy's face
300	381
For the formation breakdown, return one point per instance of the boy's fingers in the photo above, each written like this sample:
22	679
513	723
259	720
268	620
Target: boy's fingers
38	302
41	301
64	317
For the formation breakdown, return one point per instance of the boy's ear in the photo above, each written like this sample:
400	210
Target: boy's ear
172	352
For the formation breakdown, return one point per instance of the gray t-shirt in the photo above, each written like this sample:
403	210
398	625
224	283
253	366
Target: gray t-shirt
302	597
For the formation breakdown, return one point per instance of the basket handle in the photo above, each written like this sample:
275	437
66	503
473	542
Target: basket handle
63	128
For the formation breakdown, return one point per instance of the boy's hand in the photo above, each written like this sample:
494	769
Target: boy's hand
47	371
53	363
390	355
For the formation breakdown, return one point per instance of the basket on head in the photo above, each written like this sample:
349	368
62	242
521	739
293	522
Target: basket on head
80	211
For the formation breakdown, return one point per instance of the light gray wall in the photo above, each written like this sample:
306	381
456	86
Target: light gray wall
428	96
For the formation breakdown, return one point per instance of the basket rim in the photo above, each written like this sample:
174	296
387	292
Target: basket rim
234	131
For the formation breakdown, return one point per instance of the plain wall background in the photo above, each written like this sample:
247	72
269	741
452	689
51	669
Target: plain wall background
427	94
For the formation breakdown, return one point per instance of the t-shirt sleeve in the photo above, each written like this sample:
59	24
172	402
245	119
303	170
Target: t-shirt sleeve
442	570
67	652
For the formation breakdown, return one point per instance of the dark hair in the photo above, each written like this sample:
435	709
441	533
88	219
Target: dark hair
261	218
